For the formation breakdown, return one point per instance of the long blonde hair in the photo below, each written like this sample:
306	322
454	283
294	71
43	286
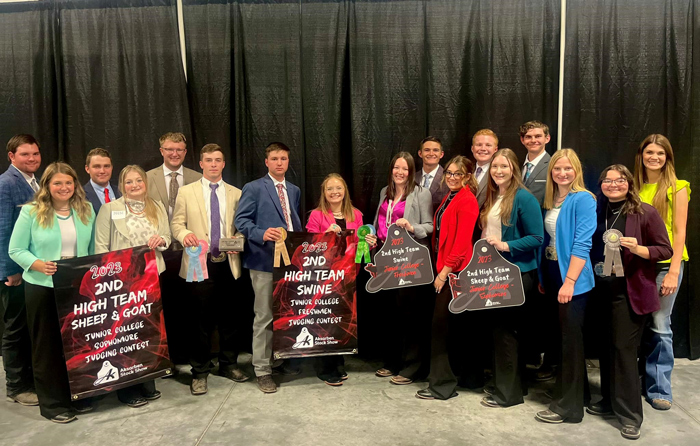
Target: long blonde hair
552	191
346	206
151	207
509	197
668	173
43	203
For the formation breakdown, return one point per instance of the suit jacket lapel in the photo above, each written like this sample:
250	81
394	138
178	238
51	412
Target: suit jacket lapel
160	186
20	178
538	168
199	198
435	185
409	203
483	183
120	223
269	185
229	211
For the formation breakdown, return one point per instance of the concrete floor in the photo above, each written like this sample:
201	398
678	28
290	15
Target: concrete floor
365	411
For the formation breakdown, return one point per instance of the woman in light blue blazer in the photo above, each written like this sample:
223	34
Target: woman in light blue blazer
58	224
566	275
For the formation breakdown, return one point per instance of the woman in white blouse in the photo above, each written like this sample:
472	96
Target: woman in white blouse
135	219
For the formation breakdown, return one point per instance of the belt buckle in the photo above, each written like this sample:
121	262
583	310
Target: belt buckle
218	259
550	253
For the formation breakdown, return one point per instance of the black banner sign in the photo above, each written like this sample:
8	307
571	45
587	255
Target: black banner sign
489	281
401	262
314	296
110	314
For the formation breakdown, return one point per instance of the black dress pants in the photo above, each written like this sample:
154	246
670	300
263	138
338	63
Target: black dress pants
571	392
508	357
618	357
415	311
330	367
48	362
442	380
16	344
175	305
212	304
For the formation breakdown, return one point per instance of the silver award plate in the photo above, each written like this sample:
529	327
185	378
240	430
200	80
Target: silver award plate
231	244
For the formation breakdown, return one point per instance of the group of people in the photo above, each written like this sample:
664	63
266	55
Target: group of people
538	214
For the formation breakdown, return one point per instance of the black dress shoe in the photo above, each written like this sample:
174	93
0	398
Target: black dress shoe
65	417
82	406
548	416
334	381
426	394
630	432
150	396
489	390
344	376
137	402
286	370
488	401
599	408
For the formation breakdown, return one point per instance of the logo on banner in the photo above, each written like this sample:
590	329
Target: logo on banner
107	374
304	340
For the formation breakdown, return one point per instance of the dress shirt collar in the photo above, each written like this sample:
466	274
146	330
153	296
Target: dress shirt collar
535	161
167	172
275	182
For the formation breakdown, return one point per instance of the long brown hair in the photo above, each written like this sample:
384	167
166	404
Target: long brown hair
151	207
410	181
43	203
668	173
466	166
633	205
346	206
509	197
577	185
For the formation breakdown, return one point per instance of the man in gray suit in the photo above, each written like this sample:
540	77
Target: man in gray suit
430	176
164	182
534	135
484	145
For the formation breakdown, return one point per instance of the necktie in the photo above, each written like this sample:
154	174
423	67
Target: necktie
478	173
215	221
174	186
106	195
34	185
528	171
283	203
426	181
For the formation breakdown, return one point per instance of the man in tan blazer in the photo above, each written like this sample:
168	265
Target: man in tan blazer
205	210
173	148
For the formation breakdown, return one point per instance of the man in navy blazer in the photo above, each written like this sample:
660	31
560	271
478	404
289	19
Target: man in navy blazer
17	186
266	204
99	190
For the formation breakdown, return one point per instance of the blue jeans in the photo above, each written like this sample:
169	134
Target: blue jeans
659	347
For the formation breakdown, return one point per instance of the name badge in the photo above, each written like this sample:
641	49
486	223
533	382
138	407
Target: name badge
118	215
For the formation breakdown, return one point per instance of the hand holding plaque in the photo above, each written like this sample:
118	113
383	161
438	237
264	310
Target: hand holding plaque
232	244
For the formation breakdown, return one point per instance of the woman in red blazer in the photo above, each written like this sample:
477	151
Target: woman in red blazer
334	213
628	297
453	224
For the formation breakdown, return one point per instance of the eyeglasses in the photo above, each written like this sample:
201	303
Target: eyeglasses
457	175
179	151
616	182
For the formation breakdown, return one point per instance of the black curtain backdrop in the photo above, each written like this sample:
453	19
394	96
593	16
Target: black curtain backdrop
629	73
347	84
123	79
29	95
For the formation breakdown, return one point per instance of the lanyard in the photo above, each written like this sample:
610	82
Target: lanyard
390	210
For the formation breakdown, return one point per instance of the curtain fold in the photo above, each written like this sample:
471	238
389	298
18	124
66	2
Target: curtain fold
29	92
123	79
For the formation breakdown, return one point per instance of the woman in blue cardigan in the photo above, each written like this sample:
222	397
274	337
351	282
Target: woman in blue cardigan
566	272
58	224
512	224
